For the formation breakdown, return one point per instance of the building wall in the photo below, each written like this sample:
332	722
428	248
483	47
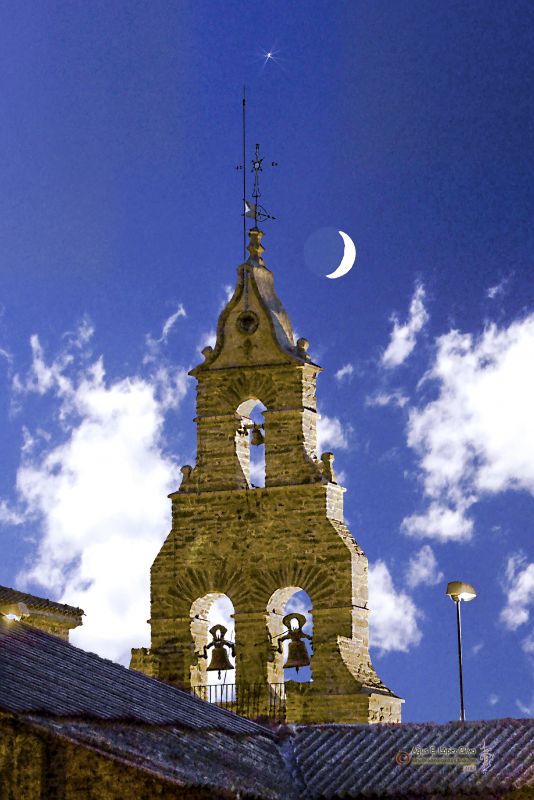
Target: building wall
36	766
248	546
52	624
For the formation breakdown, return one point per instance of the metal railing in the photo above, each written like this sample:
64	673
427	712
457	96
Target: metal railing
248	700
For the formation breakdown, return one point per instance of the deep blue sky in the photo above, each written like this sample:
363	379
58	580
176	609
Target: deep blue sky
408	125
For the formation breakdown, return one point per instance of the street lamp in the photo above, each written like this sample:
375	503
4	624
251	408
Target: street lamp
458	591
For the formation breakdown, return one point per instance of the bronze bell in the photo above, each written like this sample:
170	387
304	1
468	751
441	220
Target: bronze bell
297	653
219	658
257	437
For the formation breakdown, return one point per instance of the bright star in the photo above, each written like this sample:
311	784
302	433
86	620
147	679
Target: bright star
270	55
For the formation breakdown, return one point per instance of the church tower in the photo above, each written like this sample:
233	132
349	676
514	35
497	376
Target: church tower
259	546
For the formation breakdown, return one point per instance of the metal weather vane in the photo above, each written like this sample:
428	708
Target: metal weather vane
252	210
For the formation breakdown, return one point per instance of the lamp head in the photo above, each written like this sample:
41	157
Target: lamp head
458	590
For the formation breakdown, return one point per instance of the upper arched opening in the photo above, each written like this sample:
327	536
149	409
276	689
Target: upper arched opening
250	443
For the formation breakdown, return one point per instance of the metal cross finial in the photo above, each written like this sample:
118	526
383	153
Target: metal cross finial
256	211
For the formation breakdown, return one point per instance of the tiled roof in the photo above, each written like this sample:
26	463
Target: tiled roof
12	597
43	673
359	761
57	688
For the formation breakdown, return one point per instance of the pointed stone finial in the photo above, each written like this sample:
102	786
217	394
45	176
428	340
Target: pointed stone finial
302	349
328	467
255	248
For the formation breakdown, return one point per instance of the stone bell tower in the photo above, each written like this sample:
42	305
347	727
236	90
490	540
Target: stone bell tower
259	546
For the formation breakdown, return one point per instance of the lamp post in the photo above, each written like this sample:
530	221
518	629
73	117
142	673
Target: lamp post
458	591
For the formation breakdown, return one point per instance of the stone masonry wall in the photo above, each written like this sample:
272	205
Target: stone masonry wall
35	766
248	545
258	546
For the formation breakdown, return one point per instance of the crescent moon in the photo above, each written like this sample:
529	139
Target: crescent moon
349	257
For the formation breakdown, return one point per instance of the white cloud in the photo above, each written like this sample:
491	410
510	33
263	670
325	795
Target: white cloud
341	478
493	699
439	522
518	585
257	466
477	437
208	339
477	648
330	433
498	289
394	616
32	440
387	399
222	613
228	294
423	568
170	321
528	710
519	590
100	494
345	371
10	515
300	603
79	338
6	354
43	377
403	337
153	345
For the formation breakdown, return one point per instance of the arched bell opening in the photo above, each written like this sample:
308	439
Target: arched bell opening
212	631
290	625
250	442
